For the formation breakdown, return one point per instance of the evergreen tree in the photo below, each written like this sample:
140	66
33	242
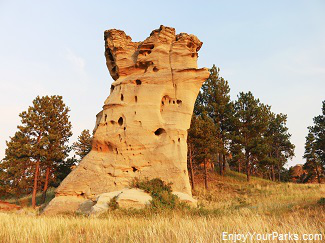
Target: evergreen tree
15	168
279	147
201	143
46	128
214	100
315	147
248	129
83	146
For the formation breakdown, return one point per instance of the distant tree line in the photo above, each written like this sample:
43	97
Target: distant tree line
36	157
244	135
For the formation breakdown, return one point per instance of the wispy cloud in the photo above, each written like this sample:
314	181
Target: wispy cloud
76	61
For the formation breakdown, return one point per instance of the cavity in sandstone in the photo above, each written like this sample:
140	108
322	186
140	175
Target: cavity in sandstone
142	130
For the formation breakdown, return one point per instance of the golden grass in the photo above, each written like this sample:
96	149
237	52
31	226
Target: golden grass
231	205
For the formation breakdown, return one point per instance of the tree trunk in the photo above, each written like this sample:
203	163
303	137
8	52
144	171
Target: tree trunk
205	174
191	167
220	164
279	169
35	184
318	175
47	176
239	166
247	168
273	173
223	164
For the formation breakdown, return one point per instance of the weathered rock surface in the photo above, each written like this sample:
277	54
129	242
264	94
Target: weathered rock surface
126	198
186	198
142	130
64	204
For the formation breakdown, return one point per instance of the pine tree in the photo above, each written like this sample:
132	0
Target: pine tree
214	99
315	147
279	147
248	129
16	173
47	129
202	143
83	146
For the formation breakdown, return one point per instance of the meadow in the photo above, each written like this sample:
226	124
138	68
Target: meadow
230	205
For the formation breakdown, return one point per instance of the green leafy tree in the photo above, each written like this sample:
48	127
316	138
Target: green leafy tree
83	146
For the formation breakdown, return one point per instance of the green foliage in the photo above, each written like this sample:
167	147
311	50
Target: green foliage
62	170
162	197
244	133
113	204
322	201
315	148
83	146
249	126
41	139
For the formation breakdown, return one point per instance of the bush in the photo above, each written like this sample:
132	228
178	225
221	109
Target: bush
322	201
113	203
162	197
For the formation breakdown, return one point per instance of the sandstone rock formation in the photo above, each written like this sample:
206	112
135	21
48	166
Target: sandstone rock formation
142	130
126	198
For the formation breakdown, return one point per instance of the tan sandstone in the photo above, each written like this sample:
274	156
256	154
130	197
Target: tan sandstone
142	130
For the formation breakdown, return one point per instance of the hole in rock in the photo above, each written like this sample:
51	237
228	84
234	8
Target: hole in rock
138	82
173	101
179	102
162	102
120	121
134	169
105	117
136	98
193	55
155	69
179	140
122	97
160	131
112	122
190	45
112	88
124	128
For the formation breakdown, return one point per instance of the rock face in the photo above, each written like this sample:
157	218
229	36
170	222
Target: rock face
126	198
142	130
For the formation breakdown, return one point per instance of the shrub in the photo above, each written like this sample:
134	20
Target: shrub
162	197
113	203
322	201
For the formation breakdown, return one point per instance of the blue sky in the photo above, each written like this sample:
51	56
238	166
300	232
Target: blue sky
276	49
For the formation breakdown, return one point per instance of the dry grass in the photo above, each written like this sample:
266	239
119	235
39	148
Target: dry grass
231	205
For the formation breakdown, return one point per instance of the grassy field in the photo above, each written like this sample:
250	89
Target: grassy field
231	205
